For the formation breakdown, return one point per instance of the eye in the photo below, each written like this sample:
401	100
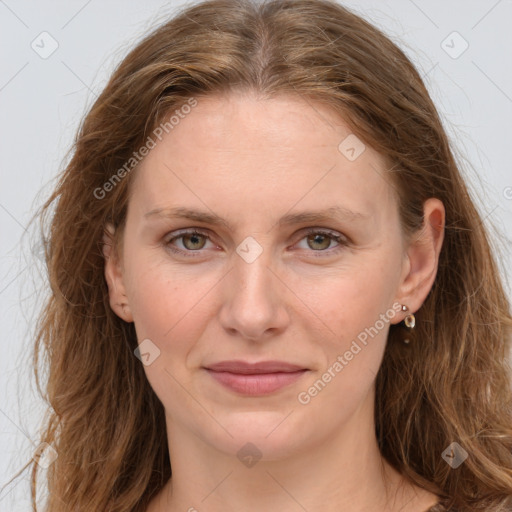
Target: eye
321	240
191	241
194	240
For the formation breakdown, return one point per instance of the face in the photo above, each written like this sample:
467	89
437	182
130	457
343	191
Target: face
223	259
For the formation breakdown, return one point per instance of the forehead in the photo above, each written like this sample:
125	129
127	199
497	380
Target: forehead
244	122
243	152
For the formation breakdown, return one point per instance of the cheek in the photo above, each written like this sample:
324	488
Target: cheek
347	300
156	302
355	319
353	310
169	307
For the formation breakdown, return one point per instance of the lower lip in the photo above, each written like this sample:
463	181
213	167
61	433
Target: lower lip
256	384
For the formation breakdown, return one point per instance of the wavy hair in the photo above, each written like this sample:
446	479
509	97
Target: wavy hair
451	383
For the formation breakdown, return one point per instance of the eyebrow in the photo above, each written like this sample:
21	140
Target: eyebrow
332	213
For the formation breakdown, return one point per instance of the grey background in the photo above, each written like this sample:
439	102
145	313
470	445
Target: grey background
43	100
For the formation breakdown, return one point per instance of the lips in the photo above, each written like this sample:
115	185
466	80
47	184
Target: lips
247	368
255	379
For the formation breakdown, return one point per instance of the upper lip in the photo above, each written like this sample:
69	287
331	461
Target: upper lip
245	367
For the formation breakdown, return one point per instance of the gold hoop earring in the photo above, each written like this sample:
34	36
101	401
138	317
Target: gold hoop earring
409	321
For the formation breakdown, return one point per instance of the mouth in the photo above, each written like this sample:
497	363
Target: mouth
255	379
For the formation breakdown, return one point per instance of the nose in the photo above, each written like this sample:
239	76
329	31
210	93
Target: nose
254	300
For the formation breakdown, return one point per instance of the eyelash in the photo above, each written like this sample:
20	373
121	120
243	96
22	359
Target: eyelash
340	240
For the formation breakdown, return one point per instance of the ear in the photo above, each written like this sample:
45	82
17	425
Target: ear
114	276
422	257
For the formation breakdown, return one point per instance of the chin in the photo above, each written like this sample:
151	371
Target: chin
270	435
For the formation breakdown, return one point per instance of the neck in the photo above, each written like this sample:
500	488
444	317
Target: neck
345	472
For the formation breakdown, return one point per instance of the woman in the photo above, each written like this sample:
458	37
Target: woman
269	277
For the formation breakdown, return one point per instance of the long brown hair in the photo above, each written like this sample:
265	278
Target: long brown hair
452	383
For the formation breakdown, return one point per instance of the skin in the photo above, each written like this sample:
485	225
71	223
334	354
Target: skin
251	161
